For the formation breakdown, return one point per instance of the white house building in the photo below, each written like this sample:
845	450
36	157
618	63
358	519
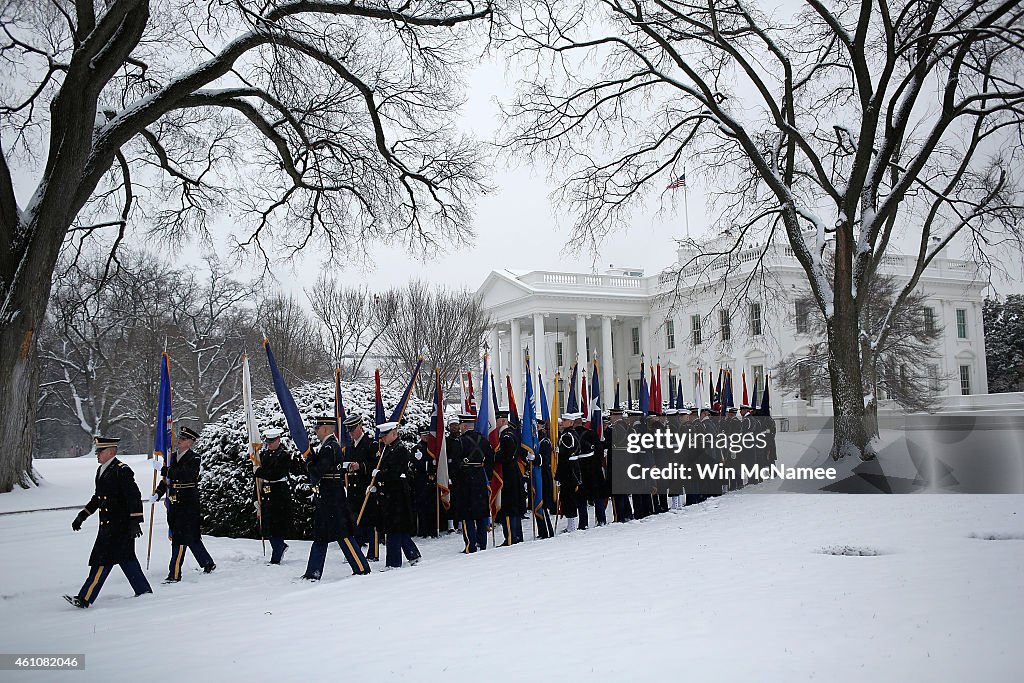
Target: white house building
622	313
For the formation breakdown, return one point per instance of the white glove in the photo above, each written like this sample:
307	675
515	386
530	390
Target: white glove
157	462
371	489
256	504
419	455
531	457
154	498
401	476
375	473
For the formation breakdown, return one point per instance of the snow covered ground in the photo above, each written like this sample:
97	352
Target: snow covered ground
740	588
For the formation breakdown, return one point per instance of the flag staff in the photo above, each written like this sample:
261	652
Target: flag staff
686	204
253	453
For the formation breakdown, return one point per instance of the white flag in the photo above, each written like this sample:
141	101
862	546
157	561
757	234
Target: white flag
255	438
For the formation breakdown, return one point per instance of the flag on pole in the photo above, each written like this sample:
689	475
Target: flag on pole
340	433
698	390
679	394
617	405
399	411
553	426
743	374
727	401
378	401
513	410
677	183
596	408
572	404
251	426
583	399
645	397
471	404
629	393
753	397
530	438
436	446
671	391
545	410
486	425
766	404
162	444
658	402
296	428
463	401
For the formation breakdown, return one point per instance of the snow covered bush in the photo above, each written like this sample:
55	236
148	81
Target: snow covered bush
227	484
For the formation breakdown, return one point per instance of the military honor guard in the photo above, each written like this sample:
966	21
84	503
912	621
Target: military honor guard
119	502
393	480
545	451
473	499
360	461
513	501
424	488
273	465
333	521
180	483
570	479
622	511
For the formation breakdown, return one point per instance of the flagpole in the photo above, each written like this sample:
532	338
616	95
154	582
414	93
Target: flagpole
686	204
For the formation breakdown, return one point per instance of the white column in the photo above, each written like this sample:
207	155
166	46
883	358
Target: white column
538	360
581	342
516	362
494	359
607	371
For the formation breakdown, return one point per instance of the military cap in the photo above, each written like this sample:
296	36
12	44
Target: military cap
187	433
501	412
325	421
101	442
467	417
385	427
272	434
352	421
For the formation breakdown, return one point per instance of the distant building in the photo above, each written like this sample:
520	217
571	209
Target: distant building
623	313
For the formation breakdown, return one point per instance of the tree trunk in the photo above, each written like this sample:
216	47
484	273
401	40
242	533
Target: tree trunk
19	379
851	433
870	379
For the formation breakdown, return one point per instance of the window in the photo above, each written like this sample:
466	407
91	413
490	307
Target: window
559	360
695	328
725	324
929	320
635	334
758	379
802	322
805	383
965	378
636	391
933	376
670	334
961	324
755	320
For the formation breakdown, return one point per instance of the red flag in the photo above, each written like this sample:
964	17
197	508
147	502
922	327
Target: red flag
471	404
513	412
745	401
583	399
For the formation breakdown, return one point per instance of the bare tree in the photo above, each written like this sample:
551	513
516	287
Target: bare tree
897	369
445	326
351	325
321	122
845	127
295	339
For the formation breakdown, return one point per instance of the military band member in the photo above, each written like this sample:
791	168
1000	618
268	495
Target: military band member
274	464
360	460
398	520
513	503
180	483
473	495
119	502
333	521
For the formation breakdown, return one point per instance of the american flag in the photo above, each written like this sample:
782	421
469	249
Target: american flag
677	183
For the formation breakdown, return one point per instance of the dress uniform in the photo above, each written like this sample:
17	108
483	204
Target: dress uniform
547	488
424	488
622	511
360	460
643	503
397	517
119	502
513	502
332	518
569	478
275	500
592	471
473	495
180	483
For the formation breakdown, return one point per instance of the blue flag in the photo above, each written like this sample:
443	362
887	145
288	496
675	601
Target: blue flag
162	445
531	439
596	407
545	411
572	404
296	427
344	438
766	405
399	411
645	396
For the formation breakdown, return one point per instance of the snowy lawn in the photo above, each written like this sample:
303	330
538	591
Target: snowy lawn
754	588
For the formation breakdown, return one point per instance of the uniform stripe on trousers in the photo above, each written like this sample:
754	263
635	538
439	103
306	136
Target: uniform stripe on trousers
92	586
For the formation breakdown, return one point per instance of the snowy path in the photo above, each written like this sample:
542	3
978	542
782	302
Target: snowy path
736	589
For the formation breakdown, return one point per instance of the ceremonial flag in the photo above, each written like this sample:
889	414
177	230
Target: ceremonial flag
545	410
671	391
572	404
464	402
513	411
596	407
471	405
629	393
530	438
617	405
679	394
583	399
340	433
296	428
698	390
494	411
487	426
162	444
645	397
553	426
744	376
753	398
436	446
658	403
718	391
378	401
251	426
399	411
766	405
711	389
727	401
